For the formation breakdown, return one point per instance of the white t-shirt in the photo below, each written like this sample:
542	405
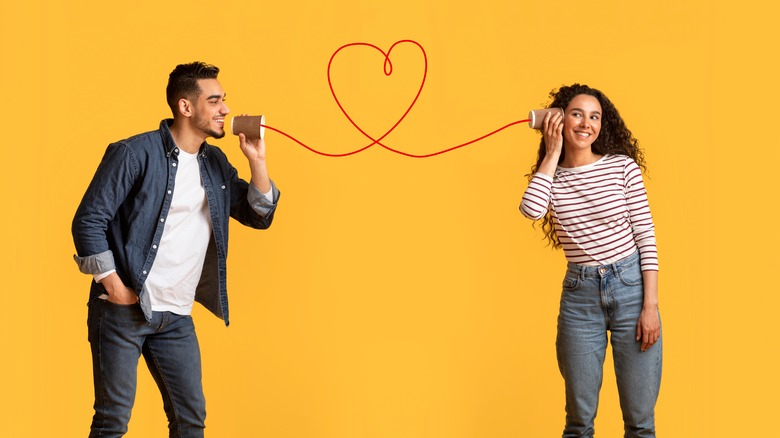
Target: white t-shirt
176	270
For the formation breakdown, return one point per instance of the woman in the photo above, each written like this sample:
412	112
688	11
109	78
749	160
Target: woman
587	187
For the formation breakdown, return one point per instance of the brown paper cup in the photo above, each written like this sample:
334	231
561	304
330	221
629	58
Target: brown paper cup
537	116
250	126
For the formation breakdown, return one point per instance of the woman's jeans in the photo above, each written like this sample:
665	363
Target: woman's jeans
595	300
119	335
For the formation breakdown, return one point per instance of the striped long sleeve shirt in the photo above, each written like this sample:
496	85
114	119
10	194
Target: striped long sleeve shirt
600	211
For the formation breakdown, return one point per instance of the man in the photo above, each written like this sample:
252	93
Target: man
152	229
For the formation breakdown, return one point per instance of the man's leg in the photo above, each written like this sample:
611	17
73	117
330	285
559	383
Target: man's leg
116	333
173	357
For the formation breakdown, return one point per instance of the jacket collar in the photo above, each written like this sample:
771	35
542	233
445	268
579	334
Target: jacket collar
169	144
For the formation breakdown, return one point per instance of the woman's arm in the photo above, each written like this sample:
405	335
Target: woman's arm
648	327
536	199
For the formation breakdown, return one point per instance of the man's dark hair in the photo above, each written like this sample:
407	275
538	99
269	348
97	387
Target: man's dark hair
183	81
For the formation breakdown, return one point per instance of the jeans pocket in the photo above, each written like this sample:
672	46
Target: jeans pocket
121	306
570	282
630	275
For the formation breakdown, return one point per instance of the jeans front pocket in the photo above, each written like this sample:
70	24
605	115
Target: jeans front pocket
630	275
571	281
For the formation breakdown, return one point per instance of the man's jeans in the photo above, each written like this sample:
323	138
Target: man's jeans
597	299
118	335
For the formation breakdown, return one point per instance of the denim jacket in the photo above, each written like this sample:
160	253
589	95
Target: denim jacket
120	220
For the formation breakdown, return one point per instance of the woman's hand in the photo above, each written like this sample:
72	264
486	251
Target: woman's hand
648	328
552	132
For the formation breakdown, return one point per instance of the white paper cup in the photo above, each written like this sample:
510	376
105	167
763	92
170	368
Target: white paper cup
537	116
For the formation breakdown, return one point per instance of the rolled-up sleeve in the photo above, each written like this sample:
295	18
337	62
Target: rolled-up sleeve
96	264
262	203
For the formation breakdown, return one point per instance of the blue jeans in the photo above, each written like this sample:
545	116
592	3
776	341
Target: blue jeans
119	335
595	300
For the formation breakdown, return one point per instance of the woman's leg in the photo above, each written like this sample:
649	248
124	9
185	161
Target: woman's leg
638	373
581	345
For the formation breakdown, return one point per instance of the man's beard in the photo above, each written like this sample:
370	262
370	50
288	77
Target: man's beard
205	126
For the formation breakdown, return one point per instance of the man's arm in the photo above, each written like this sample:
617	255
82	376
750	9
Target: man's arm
256	200
254	151
113	180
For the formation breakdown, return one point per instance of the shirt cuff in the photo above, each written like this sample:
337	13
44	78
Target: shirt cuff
269	195
262	203
102	263
99	277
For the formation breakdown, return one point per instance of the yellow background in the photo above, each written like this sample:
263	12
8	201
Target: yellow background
396	297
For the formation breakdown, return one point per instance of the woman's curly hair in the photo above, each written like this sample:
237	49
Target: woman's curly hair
614	138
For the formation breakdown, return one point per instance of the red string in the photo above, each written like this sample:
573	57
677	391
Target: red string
388	70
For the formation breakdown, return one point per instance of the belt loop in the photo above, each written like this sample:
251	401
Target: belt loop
615	269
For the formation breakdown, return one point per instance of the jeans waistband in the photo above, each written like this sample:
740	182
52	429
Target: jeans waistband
601	270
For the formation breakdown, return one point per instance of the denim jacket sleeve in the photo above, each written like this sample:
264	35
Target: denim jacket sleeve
259	203
113	180
248	205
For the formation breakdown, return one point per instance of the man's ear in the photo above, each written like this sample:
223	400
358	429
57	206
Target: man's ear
185	107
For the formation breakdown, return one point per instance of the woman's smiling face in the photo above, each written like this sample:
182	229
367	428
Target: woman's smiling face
582	122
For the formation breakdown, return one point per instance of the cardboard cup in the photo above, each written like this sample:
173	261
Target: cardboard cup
250	126
537	116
